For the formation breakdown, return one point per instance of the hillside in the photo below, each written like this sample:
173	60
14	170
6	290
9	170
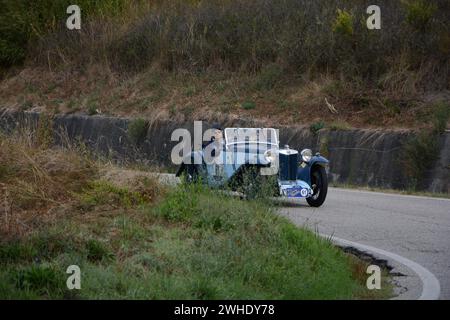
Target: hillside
285	62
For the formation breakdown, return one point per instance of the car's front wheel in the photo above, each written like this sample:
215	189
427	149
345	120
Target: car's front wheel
319	184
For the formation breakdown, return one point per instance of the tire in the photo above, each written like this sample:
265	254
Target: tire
319	182
190	174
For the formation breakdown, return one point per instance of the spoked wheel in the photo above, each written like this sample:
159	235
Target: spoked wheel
319	184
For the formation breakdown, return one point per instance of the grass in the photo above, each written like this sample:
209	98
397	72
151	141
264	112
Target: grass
192	245
136	239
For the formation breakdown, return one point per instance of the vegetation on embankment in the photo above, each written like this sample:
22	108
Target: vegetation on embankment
283	61
134	238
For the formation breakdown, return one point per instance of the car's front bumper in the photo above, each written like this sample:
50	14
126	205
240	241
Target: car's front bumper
295	189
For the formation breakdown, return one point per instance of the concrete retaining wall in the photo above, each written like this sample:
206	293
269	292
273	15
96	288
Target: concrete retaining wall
358	156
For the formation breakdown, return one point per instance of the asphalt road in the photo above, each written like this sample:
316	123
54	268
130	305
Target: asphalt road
417	228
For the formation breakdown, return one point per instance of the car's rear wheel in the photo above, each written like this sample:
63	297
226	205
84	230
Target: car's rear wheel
190	174
319	184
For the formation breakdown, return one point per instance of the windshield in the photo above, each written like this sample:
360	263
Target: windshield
266	136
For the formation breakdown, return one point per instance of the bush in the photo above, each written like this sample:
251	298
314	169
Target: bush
419	13
441	115
43	279
343	23
248	105
137	130
97	251
15	251
101	192
419	152
315	127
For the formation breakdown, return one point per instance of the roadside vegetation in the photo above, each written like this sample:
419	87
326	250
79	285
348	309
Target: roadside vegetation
285	62
135	238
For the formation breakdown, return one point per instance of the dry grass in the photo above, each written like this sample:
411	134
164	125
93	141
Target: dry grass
157	94
34	180
42	184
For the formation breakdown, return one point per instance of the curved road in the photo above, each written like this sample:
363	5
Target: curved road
417	228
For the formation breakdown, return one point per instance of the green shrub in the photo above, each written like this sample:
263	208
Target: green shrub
44	280
419	13
441	115
248	105
44	134
137	130
104	193
97	251
316	126
339	125
180	205
15	251
343	23
419	152
92	108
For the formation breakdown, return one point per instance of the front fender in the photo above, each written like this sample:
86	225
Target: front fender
304	173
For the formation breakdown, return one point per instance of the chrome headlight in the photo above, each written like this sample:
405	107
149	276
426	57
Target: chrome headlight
270	155
306	155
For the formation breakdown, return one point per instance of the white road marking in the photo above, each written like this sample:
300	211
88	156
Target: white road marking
391	194
431	287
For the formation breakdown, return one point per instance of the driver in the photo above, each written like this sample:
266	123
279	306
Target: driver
216	144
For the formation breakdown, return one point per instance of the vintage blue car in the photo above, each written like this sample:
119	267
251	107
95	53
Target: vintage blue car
242	159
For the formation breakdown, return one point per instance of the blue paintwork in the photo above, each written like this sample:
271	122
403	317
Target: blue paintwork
286	186
217	174
305	172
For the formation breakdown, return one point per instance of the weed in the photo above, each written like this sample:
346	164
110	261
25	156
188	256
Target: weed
339	125
172	110
248	105
16	251
324	146
92	109
441	115
44	132
137	130
418	153
104	193
316	126
190	91
343	23
419	13
43	279
97	251
268	77
28	104
187	111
